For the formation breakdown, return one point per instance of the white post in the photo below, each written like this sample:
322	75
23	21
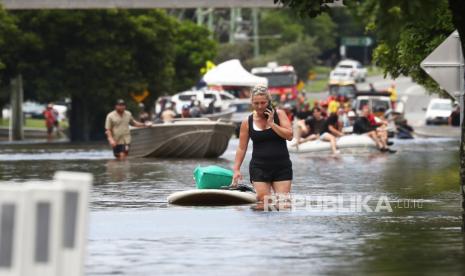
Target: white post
43	226
76	188
12	218
43	229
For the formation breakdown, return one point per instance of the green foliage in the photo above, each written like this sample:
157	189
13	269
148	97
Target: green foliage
279	24
193	49
96	56
423	26
323	28
301	54
406	31
311	8
241	50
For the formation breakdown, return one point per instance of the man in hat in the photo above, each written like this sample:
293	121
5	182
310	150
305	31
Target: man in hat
117	129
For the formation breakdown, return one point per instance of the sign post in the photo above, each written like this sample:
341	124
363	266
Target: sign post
446	66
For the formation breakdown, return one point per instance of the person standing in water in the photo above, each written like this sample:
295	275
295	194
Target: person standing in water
117	129
269	128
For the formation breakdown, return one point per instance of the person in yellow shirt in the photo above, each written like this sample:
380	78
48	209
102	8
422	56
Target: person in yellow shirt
333	106
392	89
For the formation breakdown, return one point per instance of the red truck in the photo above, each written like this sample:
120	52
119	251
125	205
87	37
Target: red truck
282	80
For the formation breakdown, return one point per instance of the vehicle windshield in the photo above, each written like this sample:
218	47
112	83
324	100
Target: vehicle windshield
345	66
279	79
346	91
379	105
441	106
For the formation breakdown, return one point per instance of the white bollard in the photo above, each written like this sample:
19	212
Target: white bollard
76	188
12	218
43	226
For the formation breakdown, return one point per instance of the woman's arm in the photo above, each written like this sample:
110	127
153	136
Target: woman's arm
285	128
241	151
335	131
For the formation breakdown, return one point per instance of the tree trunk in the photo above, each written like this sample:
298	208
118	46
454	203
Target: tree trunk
79	120
457	8
87	120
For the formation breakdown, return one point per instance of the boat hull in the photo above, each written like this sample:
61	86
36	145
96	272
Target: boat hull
347	142
182	139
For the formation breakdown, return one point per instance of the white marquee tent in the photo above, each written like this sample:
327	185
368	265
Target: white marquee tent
231	73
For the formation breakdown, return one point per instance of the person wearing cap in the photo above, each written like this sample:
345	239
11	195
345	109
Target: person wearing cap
117	129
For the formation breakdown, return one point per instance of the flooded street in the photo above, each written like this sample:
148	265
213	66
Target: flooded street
133	231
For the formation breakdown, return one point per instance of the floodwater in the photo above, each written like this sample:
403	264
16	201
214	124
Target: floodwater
133	231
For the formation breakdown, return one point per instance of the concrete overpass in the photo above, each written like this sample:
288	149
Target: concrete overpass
133	4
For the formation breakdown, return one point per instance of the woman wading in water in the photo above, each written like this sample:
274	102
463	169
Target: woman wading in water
270	167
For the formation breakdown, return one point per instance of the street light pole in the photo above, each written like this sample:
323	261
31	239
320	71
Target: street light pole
256	42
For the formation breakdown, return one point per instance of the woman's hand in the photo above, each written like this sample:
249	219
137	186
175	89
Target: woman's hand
236	178
270	119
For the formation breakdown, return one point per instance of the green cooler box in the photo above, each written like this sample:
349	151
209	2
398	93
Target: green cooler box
212	177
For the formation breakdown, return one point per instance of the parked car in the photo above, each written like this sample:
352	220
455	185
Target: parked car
222	99
348	69
438	111
243	109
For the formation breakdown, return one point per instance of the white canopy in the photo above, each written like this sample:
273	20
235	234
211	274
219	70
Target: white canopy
231	73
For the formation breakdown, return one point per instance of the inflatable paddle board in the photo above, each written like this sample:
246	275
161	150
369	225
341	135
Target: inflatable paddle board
211	197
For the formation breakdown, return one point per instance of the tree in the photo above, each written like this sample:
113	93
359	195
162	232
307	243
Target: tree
193	48
95	57
301	54
12	40
406	31
275	23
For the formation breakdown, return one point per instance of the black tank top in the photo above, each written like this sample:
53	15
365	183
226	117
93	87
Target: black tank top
267	144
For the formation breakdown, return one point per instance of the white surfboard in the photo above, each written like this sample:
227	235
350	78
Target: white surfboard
211	197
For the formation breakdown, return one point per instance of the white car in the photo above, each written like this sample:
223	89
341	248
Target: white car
438	111
349	69
222	99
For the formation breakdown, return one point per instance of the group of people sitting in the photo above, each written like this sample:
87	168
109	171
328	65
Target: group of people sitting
193	110
329	127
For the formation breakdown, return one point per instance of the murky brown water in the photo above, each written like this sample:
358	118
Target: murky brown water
133	231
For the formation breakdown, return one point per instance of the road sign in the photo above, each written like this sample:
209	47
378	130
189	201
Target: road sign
445	65
363	41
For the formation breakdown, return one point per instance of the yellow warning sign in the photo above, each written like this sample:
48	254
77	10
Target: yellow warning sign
140	97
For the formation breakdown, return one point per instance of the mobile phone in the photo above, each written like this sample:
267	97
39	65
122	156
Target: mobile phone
270	108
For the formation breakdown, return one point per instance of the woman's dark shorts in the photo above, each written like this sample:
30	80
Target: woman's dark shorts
270	170
118	149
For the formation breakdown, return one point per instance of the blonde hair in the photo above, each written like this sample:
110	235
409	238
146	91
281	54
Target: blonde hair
261	90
